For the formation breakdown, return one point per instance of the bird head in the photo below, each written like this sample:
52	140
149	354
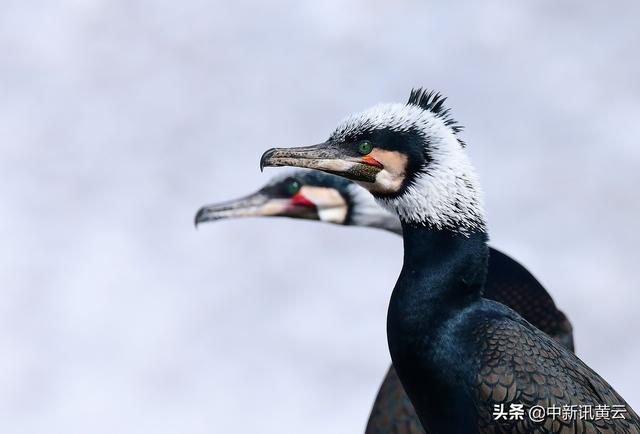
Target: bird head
407	155
304	194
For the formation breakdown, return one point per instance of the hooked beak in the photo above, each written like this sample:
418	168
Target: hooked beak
326	157
255	205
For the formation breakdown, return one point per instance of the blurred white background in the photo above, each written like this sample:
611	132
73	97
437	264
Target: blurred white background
119	119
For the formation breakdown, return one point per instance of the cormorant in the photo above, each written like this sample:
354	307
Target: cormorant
324	197
468	364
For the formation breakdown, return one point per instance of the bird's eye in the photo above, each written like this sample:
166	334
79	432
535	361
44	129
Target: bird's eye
293	187
365	147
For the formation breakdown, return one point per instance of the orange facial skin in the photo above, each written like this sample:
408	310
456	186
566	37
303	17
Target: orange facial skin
368	159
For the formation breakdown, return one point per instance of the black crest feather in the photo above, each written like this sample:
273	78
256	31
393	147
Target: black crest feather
433	102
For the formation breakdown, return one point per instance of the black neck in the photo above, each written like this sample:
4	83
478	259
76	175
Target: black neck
441	267
442	277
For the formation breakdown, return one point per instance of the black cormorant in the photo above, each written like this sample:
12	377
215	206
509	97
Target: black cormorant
464	360
320	196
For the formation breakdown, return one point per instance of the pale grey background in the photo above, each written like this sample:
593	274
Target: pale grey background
118	119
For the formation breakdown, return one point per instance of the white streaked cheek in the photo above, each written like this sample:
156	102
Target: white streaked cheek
387	182
333	215
389	179
330	204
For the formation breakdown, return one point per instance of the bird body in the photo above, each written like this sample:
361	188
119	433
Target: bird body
457	354
464	353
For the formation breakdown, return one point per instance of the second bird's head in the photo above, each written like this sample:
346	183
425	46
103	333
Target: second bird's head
305	194
407	155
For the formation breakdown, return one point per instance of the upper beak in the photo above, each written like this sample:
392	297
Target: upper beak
326	157
255	205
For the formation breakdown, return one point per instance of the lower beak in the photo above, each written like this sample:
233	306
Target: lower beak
325	157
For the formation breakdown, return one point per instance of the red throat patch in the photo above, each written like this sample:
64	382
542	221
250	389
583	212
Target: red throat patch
300	200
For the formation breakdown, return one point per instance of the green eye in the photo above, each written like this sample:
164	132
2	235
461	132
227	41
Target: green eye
365	147
293	187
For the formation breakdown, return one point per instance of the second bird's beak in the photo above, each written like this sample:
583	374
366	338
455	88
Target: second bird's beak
326	157
258	204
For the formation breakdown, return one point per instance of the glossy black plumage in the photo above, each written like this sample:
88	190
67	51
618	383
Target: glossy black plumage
507	282
542	374
459	354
